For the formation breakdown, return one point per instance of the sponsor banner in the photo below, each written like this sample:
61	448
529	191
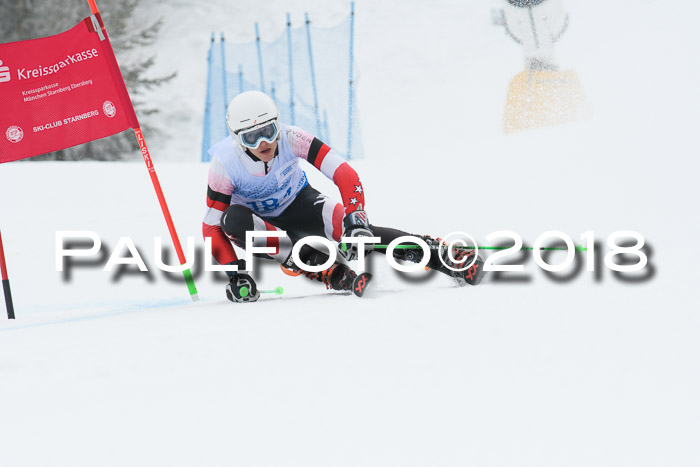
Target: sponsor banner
60	91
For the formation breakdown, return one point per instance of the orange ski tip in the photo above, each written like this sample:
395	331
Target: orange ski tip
290	272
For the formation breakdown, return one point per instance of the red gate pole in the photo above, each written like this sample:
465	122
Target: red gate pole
159	192
6	283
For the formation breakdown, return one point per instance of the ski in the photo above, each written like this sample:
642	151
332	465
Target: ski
359	284
474	273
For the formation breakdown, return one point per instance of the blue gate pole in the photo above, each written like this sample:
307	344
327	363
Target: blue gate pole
350	82
206	137
240	78
272	93
313	75
223	67
257	42
327	135
291	74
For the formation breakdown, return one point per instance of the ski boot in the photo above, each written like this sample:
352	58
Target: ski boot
337	277
472	275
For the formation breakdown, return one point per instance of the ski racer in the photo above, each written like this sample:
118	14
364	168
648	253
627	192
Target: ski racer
255	183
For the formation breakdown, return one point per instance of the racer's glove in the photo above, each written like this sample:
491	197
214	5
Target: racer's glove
355	225
241	287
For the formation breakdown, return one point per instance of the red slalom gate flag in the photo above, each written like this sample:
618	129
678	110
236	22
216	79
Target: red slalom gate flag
60	91
64	90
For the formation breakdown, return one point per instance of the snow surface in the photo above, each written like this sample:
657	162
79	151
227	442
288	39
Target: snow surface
107	372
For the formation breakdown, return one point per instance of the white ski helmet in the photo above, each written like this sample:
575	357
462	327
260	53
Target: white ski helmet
250	111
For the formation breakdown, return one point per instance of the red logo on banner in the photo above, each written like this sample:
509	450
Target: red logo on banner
109	109
60	91
14	134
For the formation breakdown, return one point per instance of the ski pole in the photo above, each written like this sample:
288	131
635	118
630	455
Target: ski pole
277	291
577	248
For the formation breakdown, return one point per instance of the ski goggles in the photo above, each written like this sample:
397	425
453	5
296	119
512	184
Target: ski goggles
252	137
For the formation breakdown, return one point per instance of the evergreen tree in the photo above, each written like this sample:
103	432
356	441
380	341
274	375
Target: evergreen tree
30	19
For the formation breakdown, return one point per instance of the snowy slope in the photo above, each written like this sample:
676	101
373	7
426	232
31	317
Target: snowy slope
537	373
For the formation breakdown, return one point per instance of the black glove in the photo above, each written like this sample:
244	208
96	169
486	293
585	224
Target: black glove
241	287
356	225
